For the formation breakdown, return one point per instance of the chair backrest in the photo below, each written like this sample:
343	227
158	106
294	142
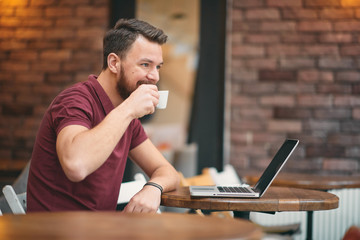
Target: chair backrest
200	180
129	189
17	202
227	177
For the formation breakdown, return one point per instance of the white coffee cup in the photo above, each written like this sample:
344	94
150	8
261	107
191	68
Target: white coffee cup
163	99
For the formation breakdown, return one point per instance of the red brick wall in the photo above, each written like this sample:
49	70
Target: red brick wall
45	45
295	73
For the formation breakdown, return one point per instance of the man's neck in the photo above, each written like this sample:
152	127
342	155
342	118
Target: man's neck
108	83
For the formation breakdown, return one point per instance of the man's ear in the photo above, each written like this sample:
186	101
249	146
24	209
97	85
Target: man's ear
113	63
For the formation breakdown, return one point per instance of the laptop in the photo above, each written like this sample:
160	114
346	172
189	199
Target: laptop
260	187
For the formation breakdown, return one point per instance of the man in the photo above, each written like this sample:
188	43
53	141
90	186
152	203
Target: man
90	129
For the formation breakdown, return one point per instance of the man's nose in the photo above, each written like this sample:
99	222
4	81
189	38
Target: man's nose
153	75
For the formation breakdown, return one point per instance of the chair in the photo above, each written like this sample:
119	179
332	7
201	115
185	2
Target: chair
19	186
17	202
129	189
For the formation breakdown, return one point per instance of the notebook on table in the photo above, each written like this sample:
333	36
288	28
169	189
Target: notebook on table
262	184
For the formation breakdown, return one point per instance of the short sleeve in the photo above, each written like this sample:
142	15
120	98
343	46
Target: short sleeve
139	135
71	108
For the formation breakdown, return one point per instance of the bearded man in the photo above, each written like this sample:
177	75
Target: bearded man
91	128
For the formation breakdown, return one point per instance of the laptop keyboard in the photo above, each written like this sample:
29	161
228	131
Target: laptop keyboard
233	189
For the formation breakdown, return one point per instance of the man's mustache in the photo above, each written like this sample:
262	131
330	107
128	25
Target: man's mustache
144	82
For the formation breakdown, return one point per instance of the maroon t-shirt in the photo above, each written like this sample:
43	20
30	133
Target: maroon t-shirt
48	188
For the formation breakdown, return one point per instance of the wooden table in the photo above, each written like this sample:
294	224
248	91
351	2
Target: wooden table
320	181
116	225
310	181
276	199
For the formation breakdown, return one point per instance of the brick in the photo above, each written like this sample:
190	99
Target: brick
42	3
336	38
337	13
263	14
10	22
15	3
29	12
240	100
325	151
299	38
291	113
298	13
347	26
247	3
348	76
253	113
350	3
237	14
347	100
336	63
314	101
59	12
350	50
296	88
278	26
290	126
17	109
248	50
70	22
297	63
263	88
352	152
340	164
59	78
29	77
29	55
60	33
280	50
356	89
333	113
92	11
315	75
314	26
262	38
343	139
277	100
244	75
14	66
38	22
7	12
55	55
90	32
29	33
261	63
46	66
334	88
317	50
247	125
323	126
351	126
75	3
356	113
276	76
7	34
284	3
322	3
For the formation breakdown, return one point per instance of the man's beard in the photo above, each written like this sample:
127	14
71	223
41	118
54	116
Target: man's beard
122	87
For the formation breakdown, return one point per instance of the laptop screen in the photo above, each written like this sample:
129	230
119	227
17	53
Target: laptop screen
276	164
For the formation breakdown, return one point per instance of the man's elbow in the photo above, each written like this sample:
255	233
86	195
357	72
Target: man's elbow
73	170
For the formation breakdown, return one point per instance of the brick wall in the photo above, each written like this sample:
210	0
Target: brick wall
45	46
295	73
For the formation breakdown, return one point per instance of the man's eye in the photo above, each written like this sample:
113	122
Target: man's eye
158	67
145	64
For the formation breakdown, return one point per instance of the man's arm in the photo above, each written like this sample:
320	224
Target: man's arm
81	151
160	171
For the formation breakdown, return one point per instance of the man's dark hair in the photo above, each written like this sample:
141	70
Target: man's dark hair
119	39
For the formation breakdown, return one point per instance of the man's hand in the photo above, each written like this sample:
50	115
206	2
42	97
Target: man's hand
143	100
145	201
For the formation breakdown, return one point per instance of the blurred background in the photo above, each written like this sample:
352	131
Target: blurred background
243	75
